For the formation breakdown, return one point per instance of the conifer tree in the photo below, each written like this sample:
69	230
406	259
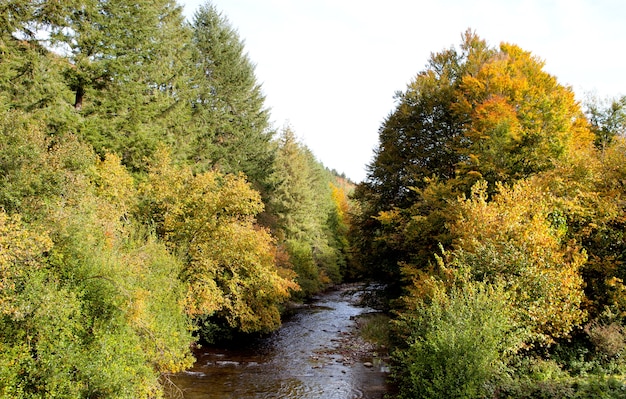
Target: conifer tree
124	63
302	205
31	77
230	118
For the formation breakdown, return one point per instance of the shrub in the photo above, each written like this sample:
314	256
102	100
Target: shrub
458	341
608	340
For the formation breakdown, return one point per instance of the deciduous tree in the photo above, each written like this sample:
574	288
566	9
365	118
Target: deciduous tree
517	239
229	262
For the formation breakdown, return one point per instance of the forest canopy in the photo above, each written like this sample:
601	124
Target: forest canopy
493	190
147	204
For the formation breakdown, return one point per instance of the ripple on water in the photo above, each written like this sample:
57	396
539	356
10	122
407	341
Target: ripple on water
295	362
226	363
194	373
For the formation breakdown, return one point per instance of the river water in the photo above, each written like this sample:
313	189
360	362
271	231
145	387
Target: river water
310	356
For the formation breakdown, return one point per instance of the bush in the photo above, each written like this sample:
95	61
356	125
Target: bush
608	340
567	388
567	373
458	342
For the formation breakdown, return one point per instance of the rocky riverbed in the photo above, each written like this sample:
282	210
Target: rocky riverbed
317	353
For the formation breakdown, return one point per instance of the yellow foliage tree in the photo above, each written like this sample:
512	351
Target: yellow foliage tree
88	305
209	220
21	253
103	251
521	120
590	191
517	238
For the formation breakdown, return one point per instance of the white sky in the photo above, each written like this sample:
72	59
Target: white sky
330	68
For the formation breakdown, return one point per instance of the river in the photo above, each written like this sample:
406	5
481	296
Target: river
313	355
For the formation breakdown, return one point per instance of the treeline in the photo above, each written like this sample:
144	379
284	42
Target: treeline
495	205
145	200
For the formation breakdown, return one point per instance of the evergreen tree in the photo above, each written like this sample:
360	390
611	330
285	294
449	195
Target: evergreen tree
231	122
122	61
293	196
31	77
302	205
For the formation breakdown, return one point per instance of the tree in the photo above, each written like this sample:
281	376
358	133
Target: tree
517	239
35	167
607	118
520	120
31	77
301	204
591	196
230	118
89	307
122	62
478	114
420	140
339	223
229	262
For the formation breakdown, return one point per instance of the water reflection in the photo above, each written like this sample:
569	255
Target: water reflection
301	360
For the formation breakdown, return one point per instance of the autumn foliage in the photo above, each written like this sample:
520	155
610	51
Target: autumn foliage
229	264
490	176
139	189
516	239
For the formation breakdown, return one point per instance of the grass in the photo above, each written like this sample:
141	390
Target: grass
375	329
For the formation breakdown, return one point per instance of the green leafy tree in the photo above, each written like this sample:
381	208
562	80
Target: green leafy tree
422	137
419	140
84	309
459	337
35	168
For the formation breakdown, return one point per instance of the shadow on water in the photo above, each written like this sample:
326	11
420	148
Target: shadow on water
304	359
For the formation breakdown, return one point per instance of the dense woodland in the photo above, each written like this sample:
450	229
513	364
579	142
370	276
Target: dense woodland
495	209
147	204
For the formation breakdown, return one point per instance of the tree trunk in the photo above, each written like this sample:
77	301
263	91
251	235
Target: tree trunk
80	93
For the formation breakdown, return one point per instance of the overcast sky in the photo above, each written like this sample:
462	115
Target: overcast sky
330	68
